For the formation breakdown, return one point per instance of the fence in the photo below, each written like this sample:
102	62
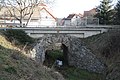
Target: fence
78	22
59	22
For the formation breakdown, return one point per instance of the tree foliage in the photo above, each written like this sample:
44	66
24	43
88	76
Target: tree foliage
104	12
18	37
117	13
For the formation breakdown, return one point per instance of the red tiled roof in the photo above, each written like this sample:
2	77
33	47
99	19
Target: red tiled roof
93	9
90	12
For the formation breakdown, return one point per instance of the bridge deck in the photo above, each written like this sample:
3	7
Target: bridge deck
73	31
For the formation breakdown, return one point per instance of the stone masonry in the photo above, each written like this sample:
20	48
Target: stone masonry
78	55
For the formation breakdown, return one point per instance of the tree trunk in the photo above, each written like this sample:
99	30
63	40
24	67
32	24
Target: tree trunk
21	19
29	19
21	25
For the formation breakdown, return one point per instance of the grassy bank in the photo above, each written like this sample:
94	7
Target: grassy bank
107	47
14	65
72	73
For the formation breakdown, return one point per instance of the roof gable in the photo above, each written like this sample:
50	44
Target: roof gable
70	16
89	13
48	12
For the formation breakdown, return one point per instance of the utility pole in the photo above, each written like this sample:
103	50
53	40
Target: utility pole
14	12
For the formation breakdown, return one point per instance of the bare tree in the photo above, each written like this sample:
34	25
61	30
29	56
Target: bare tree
20	9
50	3
1	4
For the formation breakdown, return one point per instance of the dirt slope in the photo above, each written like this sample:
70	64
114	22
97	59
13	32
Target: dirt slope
107	47
16	66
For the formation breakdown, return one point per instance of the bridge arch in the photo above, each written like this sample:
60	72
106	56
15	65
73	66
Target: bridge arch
50	40
77	53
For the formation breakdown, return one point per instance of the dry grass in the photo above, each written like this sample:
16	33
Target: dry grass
107	47
5	43
16	66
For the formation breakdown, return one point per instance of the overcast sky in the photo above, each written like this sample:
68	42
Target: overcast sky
62	8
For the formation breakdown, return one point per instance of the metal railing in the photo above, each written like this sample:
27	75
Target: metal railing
59	22
78	22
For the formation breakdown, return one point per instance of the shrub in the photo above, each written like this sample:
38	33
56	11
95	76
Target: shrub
18	37
55	54
51	56
112	43
106	44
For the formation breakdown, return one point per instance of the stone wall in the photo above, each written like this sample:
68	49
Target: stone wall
78	55
83	58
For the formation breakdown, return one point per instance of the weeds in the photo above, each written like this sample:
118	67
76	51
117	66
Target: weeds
18	37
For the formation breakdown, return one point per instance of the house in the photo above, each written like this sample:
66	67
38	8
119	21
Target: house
89	17
80	20
90	13
41	17
72	20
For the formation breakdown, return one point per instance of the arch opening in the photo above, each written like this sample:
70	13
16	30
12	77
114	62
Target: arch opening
58	52
65	54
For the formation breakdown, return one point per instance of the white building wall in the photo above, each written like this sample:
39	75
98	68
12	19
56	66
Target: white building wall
67	23
76	21
33	24
46	20
73	21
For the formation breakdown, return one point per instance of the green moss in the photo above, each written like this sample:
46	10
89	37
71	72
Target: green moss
2	78
11	70
72	73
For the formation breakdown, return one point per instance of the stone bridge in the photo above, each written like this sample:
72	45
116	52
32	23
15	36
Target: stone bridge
74	50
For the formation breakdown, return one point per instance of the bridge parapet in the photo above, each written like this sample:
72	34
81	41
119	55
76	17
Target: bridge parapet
81	32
